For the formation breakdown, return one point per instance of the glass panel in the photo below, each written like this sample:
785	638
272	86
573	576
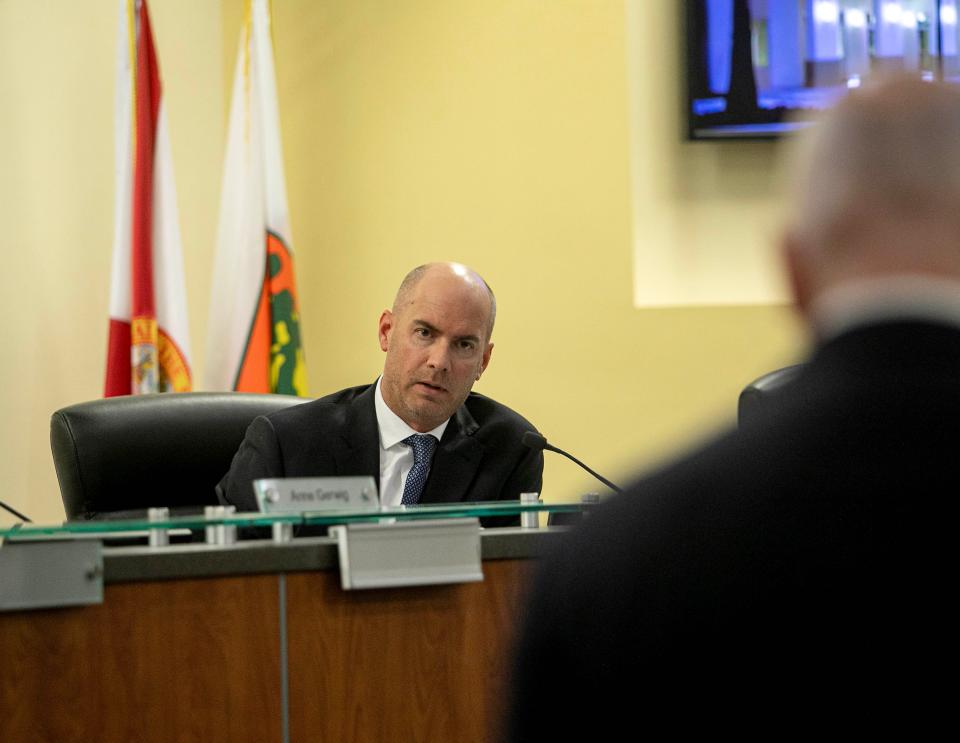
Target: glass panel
315	518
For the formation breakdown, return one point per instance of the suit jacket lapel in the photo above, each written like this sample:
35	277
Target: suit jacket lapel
456	461
360	438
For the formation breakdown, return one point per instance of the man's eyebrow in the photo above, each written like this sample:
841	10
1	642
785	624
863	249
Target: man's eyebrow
432	329
425	324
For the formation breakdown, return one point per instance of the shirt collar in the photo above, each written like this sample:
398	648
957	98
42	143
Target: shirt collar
393	429
905	297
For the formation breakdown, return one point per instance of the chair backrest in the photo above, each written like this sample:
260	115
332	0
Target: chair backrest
762	393
136	452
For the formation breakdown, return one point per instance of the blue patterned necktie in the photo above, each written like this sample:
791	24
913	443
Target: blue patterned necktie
423	446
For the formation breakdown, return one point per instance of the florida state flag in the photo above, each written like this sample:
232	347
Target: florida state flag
149	339
254	342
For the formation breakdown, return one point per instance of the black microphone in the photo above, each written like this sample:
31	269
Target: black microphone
15	512
534	440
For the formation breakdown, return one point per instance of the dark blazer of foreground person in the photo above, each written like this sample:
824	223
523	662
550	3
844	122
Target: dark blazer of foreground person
794	576
479	458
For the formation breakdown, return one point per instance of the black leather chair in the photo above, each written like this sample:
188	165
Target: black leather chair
118	456
762	393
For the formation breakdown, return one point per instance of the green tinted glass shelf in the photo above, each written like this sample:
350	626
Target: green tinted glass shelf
308	518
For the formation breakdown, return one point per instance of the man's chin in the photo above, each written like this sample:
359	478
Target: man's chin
428	414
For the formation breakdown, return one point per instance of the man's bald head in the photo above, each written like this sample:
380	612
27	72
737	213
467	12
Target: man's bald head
468	276
878	188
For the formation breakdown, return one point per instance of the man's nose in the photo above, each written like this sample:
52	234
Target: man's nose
439	357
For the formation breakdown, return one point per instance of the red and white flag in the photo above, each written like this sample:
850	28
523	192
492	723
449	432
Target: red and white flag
149	342
254	342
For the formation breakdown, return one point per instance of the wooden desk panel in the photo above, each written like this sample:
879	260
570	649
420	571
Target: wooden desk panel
191	659
186	646
410	664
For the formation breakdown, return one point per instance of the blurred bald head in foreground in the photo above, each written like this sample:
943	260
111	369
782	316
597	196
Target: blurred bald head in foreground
877	191
789	577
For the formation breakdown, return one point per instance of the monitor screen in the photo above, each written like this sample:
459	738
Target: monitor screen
759	68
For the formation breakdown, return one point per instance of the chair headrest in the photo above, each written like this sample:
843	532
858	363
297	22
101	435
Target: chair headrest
760	395
135	452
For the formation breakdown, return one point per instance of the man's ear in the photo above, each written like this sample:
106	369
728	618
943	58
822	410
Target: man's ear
385	328
797	261
485	360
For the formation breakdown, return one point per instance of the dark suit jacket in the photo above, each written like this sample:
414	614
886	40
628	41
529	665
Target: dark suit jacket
794	576
479	458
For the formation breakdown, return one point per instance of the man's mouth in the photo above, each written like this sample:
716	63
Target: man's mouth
430	387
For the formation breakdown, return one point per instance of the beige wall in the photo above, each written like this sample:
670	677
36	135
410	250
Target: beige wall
497	133
57	66
706	214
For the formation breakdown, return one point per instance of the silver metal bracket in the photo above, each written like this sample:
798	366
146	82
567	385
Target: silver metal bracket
43	574
530	519
409	553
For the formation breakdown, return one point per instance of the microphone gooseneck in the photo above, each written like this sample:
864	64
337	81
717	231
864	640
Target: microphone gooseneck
15	512
534	440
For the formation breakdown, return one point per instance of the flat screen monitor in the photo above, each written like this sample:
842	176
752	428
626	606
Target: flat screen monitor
759	68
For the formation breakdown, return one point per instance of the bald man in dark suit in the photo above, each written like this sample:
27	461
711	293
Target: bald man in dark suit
793	578
420	416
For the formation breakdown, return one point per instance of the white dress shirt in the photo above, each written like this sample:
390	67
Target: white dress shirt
396	458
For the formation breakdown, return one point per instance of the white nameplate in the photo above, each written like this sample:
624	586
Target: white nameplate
409	553
297	494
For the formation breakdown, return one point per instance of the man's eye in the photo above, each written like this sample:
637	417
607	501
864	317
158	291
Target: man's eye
466	345
422	332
